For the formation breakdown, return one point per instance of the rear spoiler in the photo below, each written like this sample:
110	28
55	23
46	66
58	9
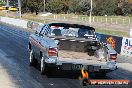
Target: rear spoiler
71	38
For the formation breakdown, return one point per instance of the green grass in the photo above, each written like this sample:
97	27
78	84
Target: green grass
111	32
2	3
103	19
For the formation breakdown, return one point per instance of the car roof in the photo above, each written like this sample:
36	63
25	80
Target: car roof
71	25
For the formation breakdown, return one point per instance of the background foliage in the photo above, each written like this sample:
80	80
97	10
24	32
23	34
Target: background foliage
100	7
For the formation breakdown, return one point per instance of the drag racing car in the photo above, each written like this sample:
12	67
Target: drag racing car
70	47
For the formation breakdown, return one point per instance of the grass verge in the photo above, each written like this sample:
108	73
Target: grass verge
110	32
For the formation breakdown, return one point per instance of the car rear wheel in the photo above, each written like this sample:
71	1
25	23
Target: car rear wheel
31	58
42	66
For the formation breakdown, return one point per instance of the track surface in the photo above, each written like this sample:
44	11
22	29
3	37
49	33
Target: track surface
14	58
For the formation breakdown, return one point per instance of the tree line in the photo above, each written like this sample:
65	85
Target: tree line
82	7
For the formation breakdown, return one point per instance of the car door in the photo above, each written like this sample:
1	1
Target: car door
40	38
35	45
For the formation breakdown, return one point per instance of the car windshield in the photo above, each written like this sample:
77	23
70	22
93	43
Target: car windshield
71	31
85	32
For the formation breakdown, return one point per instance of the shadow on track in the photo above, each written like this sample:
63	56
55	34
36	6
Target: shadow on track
55	73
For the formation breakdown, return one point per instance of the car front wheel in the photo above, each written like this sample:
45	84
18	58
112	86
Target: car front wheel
31	59
42	66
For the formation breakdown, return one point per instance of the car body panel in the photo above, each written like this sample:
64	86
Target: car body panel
51	35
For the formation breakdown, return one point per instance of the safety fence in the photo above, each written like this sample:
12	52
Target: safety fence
97	19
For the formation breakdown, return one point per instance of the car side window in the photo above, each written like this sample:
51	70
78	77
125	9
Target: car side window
57	32
83	32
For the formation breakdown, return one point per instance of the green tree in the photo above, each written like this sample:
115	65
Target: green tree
2	3
65	5
54	6
127	8
32	6
85	6
74	6
100	7
106	7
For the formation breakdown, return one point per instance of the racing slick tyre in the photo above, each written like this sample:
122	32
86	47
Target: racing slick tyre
42	66
31	59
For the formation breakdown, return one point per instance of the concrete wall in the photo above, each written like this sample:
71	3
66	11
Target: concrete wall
130	32
15	22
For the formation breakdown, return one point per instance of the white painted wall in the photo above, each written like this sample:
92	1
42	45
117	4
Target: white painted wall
15	22
130	32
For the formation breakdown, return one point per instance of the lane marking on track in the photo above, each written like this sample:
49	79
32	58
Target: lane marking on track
18	34
2	53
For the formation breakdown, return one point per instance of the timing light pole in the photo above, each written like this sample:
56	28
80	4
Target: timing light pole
44	6
7	3
7	7
19	6
90	17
